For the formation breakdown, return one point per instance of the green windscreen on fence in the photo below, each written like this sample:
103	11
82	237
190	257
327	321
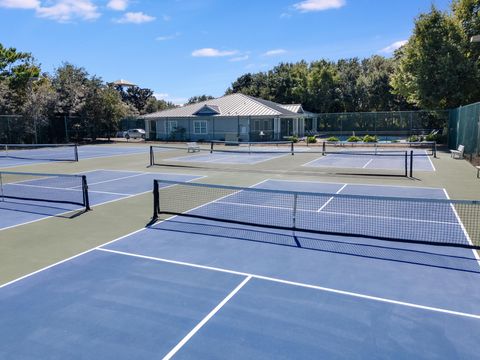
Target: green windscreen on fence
464	128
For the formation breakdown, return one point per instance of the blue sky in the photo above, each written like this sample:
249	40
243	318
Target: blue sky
181	48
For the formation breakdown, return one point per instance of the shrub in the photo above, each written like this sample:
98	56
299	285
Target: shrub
354	139
293	138
370	139
333	138
413	138
311	140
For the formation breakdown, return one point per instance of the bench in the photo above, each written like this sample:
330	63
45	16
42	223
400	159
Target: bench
192	147
458	154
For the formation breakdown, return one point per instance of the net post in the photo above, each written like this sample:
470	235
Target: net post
294	218
86	200
324	146
406	163
76	152
292	148
211	147
411	163
156	200
151	155
434	149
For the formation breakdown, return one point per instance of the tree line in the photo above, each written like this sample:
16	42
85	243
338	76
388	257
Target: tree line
93	107
438	68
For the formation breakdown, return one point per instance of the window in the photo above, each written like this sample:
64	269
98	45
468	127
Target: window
170	126
200	127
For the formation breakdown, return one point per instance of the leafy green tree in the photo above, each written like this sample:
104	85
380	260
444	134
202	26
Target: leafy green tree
71	85
432	70
154	105
199	98
136	97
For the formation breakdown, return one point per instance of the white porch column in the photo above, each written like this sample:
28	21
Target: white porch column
301	127
276	128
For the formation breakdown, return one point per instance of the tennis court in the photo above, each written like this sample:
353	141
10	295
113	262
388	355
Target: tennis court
36	154
28	198
192	287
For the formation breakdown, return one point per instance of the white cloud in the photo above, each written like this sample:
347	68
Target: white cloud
135	18
394	46
285	15
166	18
67	10
160	96
239	58
274	52
20	4
118	5
209	52
318	5
167	37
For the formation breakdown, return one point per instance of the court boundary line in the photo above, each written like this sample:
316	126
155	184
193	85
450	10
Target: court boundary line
331	198
368	162
99	204
295	283
217	308
475	253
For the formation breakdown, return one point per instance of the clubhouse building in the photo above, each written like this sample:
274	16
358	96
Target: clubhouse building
230	117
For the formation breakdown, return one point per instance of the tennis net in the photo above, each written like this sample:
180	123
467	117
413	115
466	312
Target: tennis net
48	152
425	148
41	187
410	220
394	163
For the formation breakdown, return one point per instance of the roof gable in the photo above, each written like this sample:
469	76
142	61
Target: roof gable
207	110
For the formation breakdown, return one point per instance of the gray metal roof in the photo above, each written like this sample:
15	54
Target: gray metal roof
296	108
229	105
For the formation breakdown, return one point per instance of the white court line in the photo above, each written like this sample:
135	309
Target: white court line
329	200
368	162
205	320
475	253
299	284
67	259
431	162
119	178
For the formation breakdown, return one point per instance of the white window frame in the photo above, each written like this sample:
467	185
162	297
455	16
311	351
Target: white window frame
195	122
170	126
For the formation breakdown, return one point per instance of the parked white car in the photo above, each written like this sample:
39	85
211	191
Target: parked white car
135	134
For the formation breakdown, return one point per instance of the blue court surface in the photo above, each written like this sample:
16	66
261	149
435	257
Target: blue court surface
228	158
104	186
37	156
420	162
200	289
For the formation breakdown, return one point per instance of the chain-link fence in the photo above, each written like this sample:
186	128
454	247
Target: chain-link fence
19	129
464	128
389	123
